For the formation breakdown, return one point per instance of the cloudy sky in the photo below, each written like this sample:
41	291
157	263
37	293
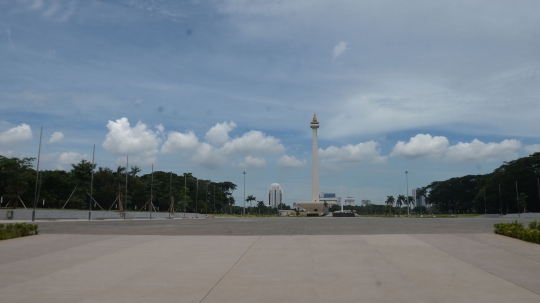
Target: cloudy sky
438	88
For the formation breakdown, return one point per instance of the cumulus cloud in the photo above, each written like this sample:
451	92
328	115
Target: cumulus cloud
137	141
340	48
421	145
179	142
480	151
219	133
68	158
253	162
290	162
359	153
56	137
253	142
16	134
531	149
209	157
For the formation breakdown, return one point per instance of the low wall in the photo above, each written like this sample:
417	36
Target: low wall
524	215
45	214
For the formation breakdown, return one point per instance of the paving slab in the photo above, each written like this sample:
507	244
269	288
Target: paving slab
298	268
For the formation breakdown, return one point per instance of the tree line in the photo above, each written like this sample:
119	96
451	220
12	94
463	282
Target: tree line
71	189
514	187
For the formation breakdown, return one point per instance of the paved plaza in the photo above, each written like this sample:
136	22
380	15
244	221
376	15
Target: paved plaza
270	260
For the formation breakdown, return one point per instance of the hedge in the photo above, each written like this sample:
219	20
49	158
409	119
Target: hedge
518	231
10	231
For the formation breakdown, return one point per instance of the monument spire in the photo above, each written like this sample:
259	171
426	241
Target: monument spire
315	162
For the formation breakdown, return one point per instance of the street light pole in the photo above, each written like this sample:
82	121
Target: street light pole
244	211
185	194
91	185
37	176
125	196
500	200
407	195
196	198
485	205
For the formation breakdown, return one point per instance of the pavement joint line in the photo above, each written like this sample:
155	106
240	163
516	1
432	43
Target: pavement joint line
229	269
313	266
401	271
484	270
500	248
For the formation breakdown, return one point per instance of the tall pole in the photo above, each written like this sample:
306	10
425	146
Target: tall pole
244	211
206	196
125	196
196	198
185	194
37	176
314	125
538	180
91	185
500	200
214	199
485	205
171	208
407	195
151	192
517	200
341	202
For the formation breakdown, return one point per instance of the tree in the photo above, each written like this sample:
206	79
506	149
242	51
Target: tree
249	199
389	202
522	200
16	176
399	202
260	205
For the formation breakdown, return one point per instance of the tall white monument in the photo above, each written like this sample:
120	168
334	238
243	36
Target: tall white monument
315	162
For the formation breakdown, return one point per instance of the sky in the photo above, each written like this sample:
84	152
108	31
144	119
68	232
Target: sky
439	89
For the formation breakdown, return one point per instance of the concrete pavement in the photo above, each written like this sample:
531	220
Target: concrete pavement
470	267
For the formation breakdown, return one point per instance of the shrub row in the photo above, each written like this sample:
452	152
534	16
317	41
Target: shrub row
518	231
10	231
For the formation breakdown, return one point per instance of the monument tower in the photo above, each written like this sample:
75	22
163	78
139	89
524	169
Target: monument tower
315	162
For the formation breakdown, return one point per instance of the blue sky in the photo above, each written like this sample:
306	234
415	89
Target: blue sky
438	88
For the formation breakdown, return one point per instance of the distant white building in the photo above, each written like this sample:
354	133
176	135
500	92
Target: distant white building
349	201
329	198
419	200
366	202
275	195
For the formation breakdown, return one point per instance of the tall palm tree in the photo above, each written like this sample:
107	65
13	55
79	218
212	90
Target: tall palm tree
399	202
249	199
389	202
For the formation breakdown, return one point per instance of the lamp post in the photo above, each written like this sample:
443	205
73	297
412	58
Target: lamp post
125	196
500	200
37	176
407	194
244	211
185	194
91	185
206	196
196	198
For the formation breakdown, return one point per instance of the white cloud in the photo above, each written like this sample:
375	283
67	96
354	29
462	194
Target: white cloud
68	158
56	137
253	142
480	151
209	157
531	149
340	48
361	152
16	134
138	141
421	146
290	162
253	162
219	133
179	142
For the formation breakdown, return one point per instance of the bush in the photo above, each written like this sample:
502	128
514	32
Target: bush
518	231
16	230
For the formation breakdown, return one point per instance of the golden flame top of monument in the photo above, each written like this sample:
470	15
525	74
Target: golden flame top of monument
314	118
